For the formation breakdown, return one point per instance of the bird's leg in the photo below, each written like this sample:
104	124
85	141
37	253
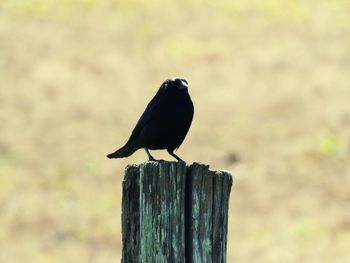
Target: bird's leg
171	152
150	157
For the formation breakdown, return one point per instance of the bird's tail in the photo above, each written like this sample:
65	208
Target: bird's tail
125	151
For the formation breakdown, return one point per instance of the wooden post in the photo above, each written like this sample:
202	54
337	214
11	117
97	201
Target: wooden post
173	213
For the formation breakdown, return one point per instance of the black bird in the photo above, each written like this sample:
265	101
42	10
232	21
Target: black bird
165	122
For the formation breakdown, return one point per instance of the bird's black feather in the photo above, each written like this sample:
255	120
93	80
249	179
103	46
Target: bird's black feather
164	123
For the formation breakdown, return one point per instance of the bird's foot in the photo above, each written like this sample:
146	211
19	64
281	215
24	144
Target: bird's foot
156	160
175	156
150	157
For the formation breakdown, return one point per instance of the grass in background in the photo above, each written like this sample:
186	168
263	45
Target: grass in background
270	84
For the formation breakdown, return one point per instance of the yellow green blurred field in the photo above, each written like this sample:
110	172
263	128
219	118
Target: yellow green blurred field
271	86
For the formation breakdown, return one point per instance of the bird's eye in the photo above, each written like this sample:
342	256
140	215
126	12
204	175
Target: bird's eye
178	82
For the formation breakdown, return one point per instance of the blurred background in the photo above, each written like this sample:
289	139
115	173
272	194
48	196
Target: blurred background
271	86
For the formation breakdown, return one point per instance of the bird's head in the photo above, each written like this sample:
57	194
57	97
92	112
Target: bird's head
175	84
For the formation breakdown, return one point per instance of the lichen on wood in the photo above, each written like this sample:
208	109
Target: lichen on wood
175	213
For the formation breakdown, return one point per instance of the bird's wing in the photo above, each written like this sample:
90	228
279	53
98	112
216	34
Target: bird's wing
152	111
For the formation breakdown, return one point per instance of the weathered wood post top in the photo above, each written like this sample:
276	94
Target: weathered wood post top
174	213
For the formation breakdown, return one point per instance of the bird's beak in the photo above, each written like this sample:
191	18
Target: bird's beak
183	85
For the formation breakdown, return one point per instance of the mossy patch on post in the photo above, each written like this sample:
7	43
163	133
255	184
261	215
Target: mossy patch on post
181	216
